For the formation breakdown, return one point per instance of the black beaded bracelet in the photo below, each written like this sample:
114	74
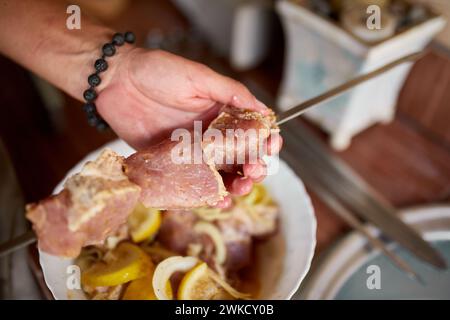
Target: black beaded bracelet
100	65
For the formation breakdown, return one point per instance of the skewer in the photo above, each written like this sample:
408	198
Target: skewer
375	242
17	243
332	93
313	182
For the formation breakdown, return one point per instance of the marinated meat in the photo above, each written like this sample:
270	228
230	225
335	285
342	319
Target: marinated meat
177	230
94	204
168	185
243	133
97	201
50	222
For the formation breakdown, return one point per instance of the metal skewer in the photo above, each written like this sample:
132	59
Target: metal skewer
301	108
375	242
354	193
30	237
349	218
15	244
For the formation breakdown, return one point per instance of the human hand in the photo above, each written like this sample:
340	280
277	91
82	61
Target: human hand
148	94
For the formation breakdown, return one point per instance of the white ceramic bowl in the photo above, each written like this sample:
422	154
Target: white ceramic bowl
283	262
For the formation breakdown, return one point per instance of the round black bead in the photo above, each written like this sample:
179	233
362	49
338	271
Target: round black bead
102	125
89	108
90	95
130	37
108	49
93	119
100	65
94	80
118	39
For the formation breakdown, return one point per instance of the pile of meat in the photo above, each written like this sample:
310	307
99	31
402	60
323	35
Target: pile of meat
96	202
238	230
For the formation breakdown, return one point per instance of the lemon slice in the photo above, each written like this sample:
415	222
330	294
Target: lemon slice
211	214
165	269
201	283
229	289
258	195
197	285
144	223
128	262
140	289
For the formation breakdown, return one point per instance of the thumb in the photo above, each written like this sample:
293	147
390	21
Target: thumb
228	91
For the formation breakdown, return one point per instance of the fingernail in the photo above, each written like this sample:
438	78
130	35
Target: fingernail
225	203
242	186
256	171
264	109
261	178
275	143
236	101
249	170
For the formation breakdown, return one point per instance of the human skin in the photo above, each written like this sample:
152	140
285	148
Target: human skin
143	95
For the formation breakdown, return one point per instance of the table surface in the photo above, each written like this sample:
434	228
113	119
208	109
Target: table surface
407	161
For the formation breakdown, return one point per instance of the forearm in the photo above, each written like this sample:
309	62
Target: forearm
34	34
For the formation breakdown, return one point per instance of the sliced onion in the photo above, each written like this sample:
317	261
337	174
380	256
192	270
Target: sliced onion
165	269
194	249
211	214
213	232
112	241
232	291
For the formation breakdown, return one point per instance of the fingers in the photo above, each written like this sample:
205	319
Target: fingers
225	203
228	91
241	186
256	172
237	185
274	144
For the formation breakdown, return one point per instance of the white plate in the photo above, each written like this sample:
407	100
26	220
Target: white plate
285	260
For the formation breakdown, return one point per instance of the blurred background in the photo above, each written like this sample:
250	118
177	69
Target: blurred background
285	52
